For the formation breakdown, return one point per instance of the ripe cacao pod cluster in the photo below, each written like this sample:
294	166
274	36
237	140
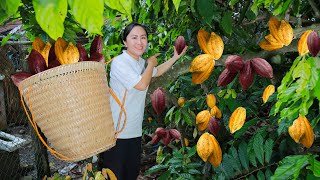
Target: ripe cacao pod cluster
180	44
313	43
158	100
166	135
247	69
301	131
44	56
208	149
281	34
237	119
202	65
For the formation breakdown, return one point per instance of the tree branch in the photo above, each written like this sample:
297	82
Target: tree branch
314	8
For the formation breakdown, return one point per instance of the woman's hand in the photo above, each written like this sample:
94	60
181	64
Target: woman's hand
153	61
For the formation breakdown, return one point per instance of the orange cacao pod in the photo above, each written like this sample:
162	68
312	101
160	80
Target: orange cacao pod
181	101
302	44
262	67
246	75
308	138
297	129
158	101
268	91
285	30
216	156
96	45
215	46
66	53
203	38
313	43
274	25
237	119
211	100
234	63
42	48
203	116
180	44
266	45
205	146
215	112
202	63
226	77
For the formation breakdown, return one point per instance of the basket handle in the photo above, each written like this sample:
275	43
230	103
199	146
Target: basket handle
122	110
35	127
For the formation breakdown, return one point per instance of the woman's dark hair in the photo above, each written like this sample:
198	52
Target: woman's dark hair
128	29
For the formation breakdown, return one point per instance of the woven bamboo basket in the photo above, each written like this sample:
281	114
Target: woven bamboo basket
70	104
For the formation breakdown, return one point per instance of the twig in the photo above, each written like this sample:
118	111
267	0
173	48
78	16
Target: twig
255	170
314	8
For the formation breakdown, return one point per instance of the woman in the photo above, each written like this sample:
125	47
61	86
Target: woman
130	78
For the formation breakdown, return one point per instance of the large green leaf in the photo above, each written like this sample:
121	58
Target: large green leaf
206	10
123	6
268	146
88	13
50	15
226	22
258	147
290	167
8	8
243	155
314	166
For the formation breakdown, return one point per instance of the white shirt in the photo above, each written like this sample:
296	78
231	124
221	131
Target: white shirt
125	74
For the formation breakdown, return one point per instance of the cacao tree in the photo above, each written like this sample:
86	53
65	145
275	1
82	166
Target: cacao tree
266	144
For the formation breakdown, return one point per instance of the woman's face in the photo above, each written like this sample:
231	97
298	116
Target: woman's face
136	42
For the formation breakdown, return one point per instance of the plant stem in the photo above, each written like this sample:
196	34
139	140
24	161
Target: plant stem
255	170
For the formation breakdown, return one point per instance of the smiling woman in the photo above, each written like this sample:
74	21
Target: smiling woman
130	79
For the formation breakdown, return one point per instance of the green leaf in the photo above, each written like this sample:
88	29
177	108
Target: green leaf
206	10
245	127
165	175
233	2
168	117
260	175
258	147
314	166
237	164
187	118
194	171
50	15
155	168
268	146
177	117
290	167
243	155
226	22
89	13
156	6
8	8
176	4
228	165
123	6
268	173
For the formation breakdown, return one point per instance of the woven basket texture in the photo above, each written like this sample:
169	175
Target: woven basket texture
70	104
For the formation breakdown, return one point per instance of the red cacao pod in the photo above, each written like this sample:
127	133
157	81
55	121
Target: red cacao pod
180	44
174	133
155	139
52	59
167	138
246	75
36	62
262	67
161	132
82	52
313	43
234	63
96	45
98	57
214	126
226	77
19	76
158	101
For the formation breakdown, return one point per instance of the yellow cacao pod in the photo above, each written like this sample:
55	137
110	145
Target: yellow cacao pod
274	25
216	157
308	138
66	53
203	38
297	129
181	101
286	31
237	119
211	100
203	126
202	63
203	116
200	77
266	45
215	112
186	142
273	41
205	146
215	46
42	48
268	91
302	44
